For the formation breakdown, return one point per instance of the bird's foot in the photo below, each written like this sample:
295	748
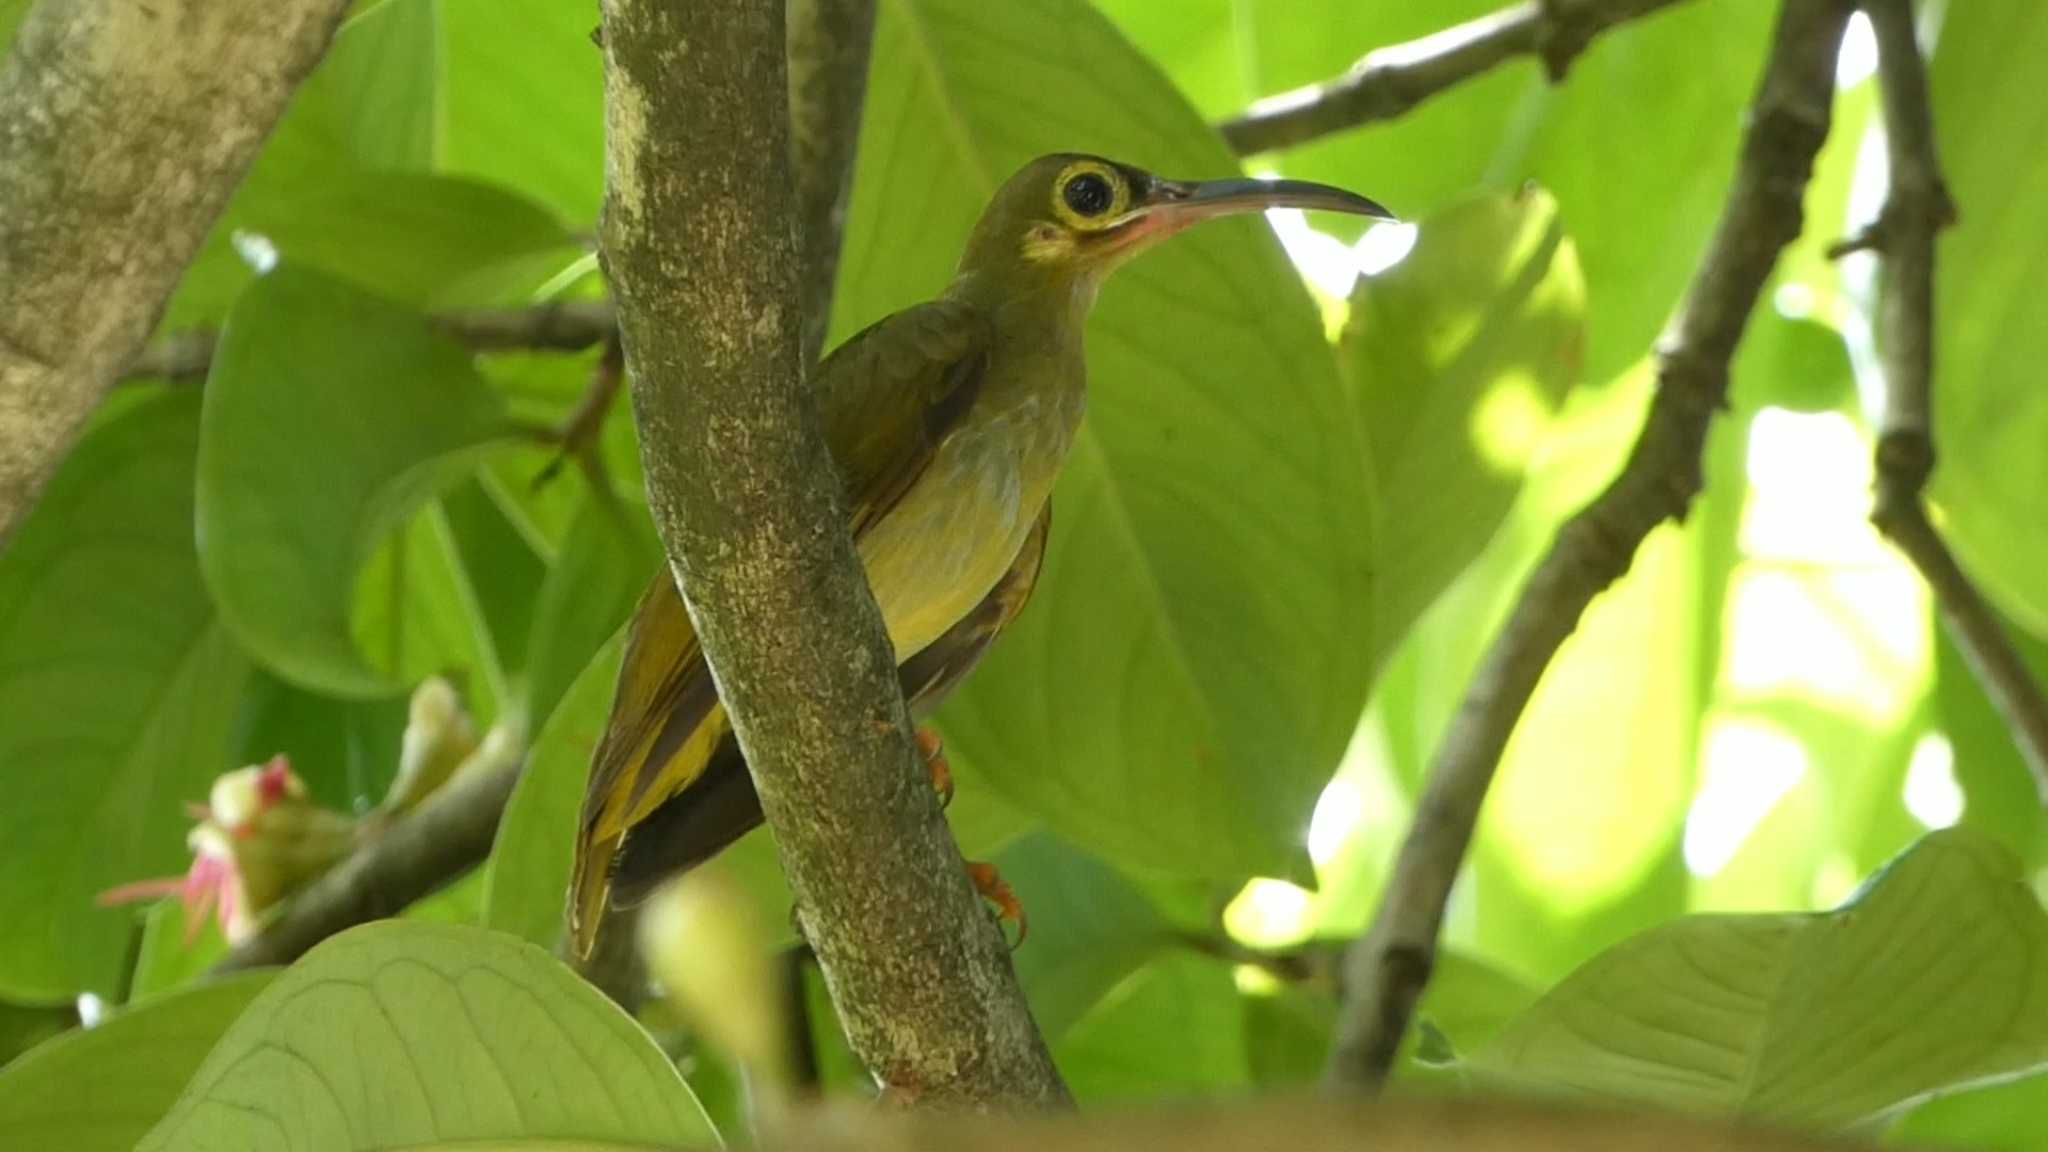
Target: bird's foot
934	749
997	891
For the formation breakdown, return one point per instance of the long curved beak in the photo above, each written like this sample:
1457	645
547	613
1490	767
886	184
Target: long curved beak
1182	203
1168	207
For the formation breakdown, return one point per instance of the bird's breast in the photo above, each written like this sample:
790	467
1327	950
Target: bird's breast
944	545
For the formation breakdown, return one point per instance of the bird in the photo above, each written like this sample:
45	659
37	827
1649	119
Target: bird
948	423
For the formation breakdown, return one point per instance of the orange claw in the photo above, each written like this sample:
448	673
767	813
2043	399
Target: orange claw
997	891
929	743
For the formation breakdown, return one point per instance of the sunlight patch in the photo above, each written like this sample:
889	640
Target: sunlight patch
1749	767
1932	794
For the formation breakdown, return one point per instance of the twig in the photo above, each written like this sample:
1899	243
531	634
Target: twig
697	245
448	834
1389	81
829	42
1297	1124
1313	963
123	130
800	1044
1387	969
557	326
1917	207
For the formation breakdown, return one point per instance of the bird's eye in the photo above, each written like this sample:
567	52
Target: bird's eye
1088	194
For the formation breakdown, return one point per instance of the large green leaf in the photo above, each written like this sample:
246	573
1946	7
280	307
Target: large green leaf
549	142
1639	190
415	611
1174	1028
102	1089
406	1034
119	689
606	561
1194	661
528	882
344	183
1196	43
1089	928
329	413
1458	358
1638	145
1930	979
1991	321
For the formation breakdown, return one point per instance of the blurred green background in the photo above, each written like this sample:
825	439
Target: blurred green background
1316	466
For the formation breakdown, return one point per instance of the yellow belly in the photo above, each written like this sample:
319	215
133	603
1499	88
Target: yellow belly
937	553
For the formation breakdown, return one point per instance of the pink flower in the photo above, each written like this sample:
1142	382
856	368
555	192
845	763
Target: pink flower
258	841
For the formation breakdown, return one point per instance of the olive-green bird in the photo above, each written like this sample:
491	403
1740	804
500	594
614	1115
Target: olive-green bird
949	422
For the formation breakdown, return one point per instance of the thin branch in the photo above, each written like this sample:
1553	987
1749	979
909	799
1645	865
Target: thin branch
557	326
1387	82
829	41
1917	208
1312	964
697	246
123	129
448	834
1387	969
1296	1124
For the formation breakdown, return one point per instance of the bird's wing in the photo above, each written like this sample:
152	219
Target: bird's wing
887	397
890	393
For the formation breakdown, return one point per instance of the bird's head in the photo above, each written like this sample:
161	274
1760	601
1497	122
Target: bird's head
1072	218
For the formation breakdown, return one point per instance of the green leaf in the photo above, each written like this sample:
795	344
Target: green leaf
607	559
1287	1036
1642	189
1194	661
1459	358
165	960
1463	131
400	1034
1793	362
528	879
342	185
1639	191
460	902
416	613
23	1026
2001	1118
1195	42
119	689
502	574
1174	1028
1999	798
102	1089
329	414
1930	979
1990	317
548	143
1089	928
345	750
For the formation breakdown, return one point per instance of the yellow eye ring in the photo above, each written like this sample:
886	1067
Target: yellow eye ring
1089	196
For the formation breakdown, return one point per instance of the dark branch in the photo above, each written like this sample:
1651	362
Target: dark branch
697	244
123	130
1388	968
828	83
559	326
447	835
1917	208
1390	81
